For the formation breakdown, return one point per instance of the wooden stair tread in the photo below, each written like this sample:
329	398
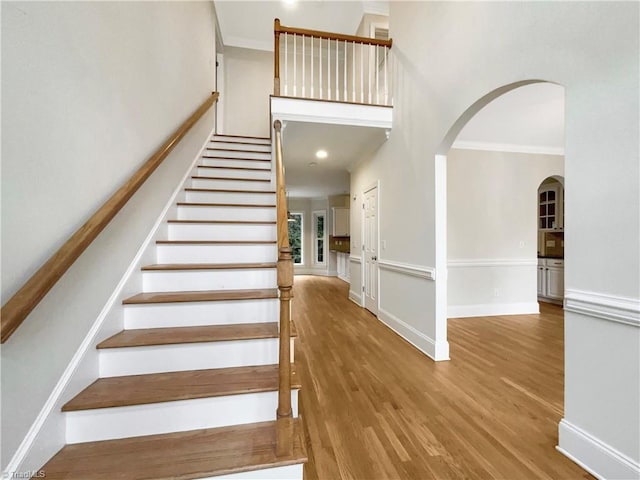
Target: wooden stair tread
241	143
252	169
243	150
233	179
225	222
174	386
201	296
239	136
209	333
180	455
244	205
228	191
216	242
206	266
218	157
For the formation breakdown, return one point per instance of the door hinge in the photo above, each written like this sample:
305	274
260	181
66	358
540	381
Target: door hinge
363	206
363	288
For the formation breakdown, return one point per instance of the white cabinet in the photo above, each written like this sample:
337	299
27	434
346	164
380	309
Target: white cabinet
551	208
340	222
551	279
343	266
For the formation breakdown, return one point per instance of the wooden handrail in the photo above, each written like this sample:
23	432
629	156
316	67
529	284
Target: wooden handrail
278	29
285	281
27	298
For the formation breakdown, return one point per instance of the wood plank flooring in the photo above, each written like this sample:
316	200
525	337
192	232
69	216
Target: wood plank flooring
377	408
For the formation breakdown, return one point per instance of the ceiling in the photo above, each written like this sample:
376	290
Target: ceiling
256	30
345	146
528	119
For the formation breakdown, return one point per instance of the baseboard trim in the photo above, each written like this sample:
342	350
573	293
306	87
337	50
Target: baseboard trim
606	307
311	271
16	464
595	456
436	350
428	273
491	309
355	298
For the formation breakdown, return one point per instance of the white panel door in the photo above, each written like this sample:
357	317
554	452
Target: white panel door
370	250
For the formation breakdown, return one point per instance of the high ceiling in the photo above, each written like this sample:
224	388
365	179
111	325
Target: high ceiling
255	30
527	119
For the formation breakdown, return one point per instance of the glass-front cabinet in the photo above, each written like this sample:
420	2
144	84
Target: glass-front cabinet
551	207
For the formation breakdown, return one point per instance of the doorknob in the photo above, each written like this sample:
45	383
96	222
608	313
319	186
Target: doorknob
374	258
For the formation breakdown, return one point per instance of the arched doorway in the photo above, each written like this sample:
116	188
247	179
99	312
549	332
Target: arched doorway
501	247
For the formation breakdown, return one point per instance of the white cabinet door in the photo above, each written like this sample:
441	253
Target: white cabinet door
542	281
340	222
555	282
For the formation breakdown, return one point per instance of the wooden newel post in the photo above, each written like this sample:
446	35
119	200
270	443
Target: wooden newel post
285	285
276	57
284	427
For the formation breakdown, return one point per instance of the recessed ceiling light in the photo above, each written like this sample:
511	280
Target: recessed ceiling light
289	2
321	154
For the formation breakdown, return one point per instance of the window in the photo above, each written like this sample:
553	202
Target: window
319	240
295	237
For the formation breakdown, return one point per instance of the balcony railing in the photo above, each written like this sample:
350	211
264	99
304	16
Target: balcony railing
329	66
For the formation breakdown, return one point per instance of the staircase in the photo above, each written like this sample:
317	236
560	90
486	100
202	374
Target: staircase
189	388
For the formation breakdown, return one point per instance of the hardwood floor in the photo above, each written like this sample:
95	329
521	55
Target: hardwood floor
377	408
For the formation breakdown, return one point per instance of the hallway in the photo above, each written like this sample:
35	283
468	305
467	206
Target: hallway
377	408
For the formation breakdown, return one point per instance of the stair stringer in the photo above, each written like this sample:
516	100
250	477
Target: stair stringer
47	433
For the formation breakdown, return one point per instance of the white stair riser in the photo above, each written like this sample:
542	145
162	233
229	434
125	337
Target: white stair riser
176	280
232	184
256	141
253	214
289	472
221	231
240	146
191	314
264	174
231	197
238	154
226	162
116	362
180	416
167	253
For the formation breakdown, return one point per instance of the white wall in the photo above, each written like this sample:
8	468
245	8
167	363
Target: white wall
441	72
90	90
492	230
248	82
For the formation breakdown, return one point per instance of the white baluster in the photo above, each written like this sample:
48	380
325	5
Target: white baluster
377	69
295	66
304	61
353	70
386	88
345	72
320	64
362	73
337	73
286	64
312	67
369	73
328	69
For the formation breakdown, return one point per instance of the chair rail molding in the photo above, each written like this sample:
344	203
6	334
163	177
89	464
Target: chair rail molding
355	259
606	307
491	262
428	273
